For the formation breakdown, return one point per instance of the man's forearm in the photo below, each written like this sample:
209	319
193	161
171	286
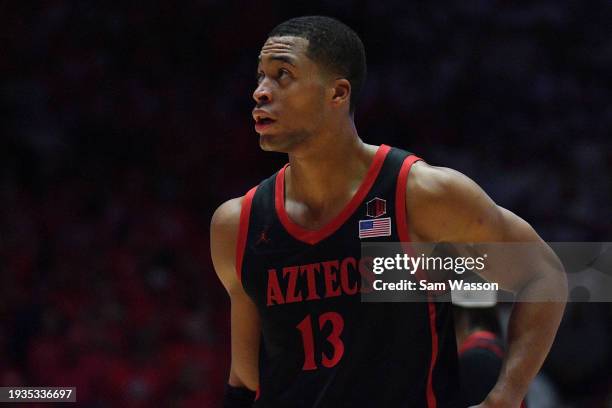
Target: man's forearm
531	331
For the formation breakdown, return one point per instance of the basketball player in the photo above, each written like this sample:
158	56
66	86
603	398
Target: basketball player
288	251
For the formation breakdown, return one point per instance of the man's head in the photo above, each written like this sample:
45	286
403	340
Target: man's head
310	73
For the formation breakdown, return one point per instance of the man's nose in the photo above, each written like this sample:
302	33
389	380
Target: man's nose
262	93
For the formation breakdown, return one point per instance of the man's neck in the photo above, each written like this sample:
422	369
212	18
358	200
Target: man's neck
322	180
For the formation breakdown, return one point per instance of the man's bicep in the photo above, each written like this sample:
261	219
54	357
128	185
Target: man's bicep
520	257
516	253
450	207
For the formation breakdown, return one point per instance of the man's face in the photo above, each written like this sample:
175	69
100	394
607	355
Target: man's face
290	94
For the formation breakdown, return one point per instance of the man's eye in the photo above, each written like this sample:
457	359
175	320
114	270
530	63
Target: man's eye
259	76
282	72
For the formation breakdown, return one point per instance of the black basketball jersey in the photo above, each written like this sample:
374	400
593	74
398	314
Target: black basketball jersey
321	346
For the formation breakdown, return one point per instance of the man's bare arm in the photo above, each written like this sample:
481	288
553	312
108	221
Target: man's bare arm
245	324
445	205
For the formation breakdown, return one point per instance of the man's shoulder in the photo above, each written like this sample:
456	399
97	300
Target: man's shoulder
440	202
427	182
225	221
224	227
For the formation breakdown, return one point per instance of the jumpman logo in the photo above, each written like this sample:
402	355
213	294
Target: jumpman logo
263	236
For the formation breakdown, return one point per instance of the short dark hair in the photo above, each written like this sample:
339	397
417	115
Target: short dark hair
333	45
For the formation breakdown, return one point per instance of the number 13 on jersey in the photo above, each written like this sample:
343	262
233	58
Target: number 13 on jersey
337	325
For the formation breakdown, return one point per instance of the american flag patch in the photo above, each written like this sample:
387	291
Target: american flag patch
379	227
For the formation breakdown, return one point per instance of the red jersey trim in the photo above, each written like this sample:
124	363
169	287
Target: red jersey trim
404	234
243	229
314	236
481	339
400	198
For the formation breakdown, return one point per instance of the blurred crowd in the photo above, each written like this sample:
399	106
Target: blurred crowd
125	125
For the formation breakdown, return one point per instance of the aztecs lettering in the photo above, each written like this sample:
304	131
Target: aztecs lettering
317	281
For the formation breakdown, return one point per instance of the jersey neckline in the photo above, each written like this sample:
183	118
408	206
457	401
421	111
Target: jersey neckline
314	236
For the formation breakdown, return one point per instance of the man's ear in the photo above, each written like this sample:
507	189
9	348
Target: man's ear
341	92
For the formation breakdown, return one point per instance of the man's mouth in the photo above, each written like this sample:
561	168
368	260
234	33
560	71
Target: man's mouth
264	121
